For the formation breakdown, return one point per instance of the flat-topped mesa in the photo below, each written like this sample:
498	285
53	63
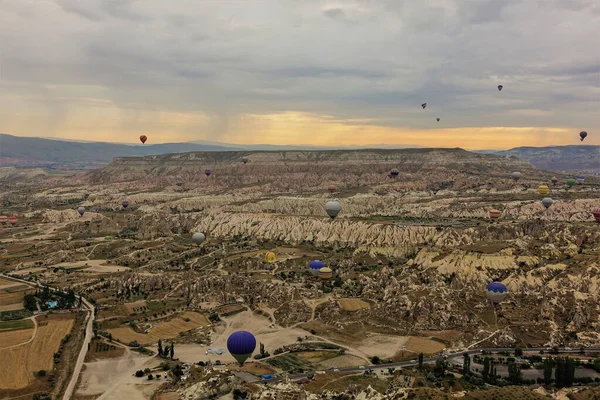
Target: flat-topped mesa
342	165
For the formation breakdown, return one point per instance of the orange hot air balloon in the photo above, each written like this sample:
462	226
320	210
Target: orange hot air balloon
143	139
331	188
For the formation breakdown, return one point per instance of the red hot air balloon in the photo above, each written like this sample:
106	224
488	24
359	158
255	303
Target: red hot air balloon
12	220
143	139
331	188
596	213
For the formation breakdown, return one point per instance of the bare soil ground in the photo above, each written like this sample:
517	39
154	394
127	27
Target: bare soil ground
229	308
346	360
423	345
383	346
32	357
353	304
254	368
101	351
163	330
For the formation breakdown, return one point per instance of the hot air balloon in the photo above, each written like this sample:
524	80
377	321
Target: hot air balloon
325	273
143	139
270	257
241	345
496	292
571	182
495	214
547	202
424	105
554	180
198	238
81	210
331	188
500	87
3	219
333	208
207	172
12	220
394	172
315	266
596	213
543	190
245	160
92	198
437	119
582	135
580	180
125	204
516	176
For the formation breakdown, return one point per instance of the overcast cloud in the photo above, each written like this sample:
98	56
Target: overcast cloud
210	65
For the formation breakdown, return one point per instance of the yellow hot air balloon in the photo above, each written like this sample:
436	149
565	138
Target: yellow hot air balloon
325	273
270	257
495	214
543	190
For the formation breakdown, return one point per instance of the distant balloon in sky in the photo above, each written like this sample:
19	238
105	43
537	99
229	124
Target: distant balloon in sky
571	182
143	139
315	266
12	220
496	292
394	172
554	180
81	210
241	345
92	198
333	208
516	176
582	135
596	213
270	257
207	172
543	190
547	202
424	105
438	120
3	219
125	204
331	188
500	87
325	273
495	214
580	179
198	238
245	159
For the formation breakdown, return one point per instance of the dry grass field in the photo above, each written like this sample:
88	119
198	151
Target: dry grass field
253	368
163	330
27	359
14	337
13	297
353	304
423	345
229	309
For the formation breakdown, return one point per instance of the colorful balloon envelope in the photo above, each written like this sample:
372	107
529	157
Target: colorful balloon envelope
81	210
315	266
325	273
547	202
3	219
270	257
543	190
596	213
394	172
516	176
207	172
12	220
198	238
241	345
143	139
495	214
496	292
245	159
580	180
331	188
125	204
92	198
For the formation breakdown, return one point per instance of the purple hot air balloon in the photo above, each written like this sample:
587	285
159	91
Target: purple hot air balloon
125	204
315	266
241	344
207	172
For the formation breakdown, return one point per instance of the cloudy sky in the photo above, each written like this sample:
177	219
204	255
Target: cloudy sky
351	72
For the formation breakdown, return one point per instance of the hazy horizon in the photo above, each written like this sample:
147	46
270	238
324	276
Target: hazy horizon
350	73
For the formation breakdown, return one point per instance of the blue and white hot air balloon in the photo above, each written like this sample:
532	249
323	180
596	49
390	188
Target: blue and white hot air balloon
496	292
580	179
241	345
315	266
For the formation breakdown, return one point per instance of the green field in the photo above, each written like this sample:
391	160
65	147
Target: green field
16	325
289	362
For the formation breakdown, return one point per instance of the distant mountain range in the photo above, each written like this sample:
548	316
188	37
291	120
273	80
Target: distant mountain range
16	151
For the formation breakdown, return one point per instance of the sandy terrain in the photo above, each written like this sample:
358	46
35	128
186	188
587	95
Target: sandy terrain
12	338
423	345
98	266
113	378
27	359
382	345
353	304
163	330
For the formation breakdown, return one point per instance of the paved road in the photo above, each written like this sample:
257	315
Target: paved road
430	360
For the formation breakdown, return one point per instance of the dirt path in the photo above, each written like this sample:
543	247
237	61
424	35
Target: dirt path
35	327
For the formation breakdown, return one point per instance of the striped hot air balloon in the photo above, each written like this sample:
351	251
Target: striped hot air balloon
325	273
3	219
543	190
580	179
495	214
596	213
496	292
